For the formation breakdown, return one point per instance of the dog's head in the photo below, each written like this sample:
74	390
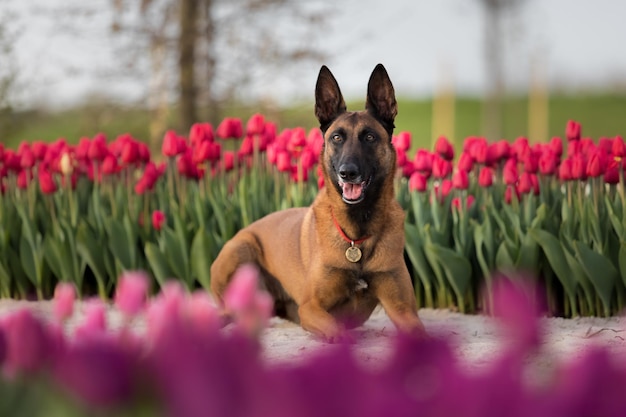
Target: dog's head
358	157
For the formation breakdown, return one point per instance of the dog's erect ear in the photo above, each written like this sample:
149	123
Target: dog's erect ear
381	98
328	99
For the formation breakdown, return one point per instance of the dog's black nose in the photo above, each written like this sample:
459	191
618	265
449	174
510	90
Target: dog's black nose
348	171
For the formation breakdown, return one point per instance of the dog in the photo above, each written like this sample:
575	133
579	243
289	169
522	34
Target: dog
329	265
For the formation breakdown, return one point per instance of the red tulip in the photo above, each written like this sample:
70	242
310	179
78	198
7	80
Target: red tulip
520	147
596	165
27	158
556	145
39	149
534	181
201	132
572	130
485	177
283	161
247	146
315	141
228	161
98	148
158	220
143	185
401	157
466	162
423	161
46	182
297	140
441	167
82	149
172	145
230	128
298	174
109	165
618	148
12	161
444	148
524	185
185	165
565	170
130	152
460	180
498	151
508	194
456	202
408	169
547	162
605	144
443	189
255	125
201	152
307	159
23	179
509	172
144	152
611	175
402	141
479	150
418	182
579	167
531	161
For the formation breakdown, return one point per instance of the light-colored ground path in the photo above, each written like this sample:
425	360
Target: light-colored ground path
477	340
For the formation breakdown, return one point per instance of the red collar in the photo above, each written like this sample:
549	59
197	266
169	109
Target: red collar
343	234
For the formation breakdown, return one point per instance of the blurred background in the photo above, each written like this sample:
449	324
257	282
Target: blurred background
496	68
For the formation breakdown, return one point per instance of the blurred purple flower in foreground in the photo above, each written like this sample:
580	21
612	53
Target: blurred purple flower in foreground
185	365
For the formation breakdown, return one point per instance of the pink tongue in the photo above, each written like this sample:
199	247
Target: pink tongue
352	191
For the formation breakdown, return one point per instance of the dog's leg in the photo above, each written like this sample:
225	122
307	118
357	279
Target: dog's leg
395	293
236	252
315	319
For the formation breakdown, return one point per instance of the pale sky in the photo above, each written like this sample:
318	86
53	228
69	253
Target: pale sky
420	42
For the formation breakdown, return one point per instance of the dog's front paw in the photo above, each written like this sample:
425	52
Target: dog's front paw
340	335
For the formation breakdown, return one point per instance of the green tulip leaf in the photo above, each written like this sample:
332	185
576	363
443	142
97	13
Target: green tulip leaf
553	251
158	263
600	272
201	255
457	269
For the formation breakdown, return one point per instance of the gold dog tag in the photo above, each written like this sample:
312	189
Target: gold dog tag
353	254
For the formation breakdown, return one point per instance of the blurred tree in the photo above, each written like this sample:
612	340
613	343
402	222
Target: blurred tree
8	73
495	12
209	51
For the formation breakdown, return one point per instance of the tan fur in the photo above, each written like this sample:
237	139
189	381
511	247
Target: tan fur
300	252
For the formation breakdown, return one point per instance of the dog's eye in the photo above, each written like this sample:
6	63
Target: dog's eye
336	137
370	137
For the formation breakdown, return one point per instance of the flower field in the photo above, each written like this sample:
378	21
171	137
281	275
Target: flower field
85	213
75	219
183	365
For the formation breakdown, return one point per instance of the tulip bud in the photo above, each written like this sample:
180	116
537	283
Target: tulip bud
572	130
485	177
64	296
418	182
65	164
158	219
460	180
444	148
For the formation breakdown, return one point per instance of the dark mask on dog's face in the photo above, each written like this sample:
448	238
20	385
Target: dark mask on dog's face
356	142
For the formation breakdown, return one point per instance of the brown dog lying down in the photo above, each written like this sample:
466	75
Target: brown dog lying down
328	266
